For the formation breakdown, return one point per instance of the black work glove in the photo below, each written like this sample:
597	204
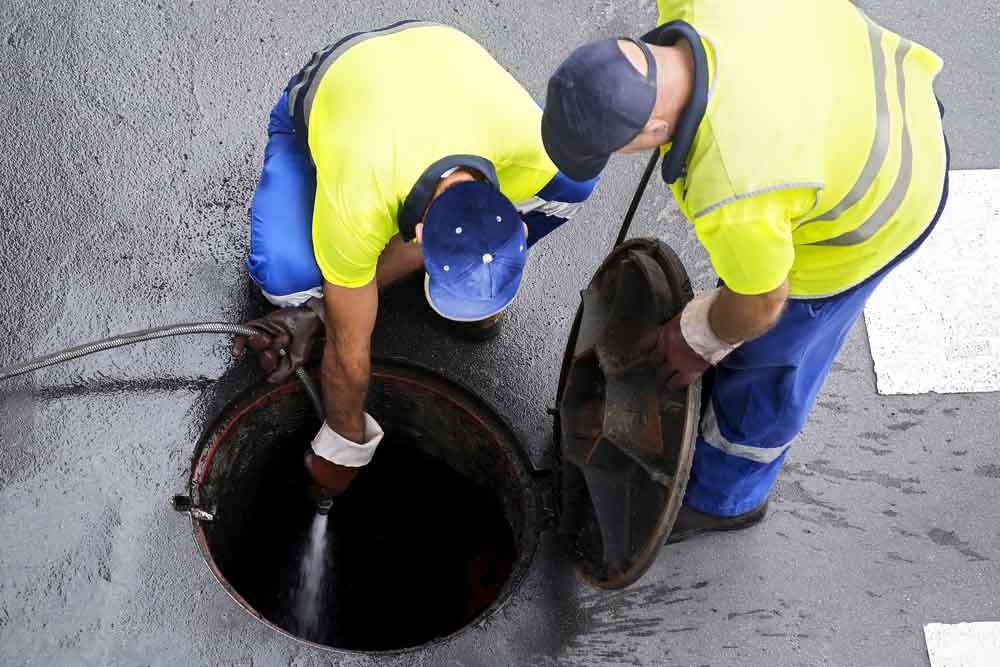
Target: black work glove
285	341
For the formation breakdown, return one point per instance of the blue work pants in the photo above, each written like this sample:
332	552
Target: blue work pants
281	259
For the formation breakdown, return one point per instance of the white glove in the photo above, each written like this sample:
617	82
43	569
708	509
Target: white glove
697	330
335	448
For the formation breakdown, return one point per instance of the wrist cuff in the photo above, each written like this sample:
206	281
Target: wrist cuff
697	330
335	448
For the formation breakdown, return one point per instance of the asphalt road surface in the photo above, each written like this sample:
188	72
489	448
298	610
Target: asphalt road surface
132	139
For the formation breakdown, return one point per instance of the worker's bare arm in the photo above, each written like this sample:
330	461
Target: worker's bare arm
398	260
350	318
742	317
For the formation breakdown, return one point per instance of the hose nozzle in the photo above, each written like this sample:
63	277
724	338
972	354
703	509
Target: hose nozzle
324	505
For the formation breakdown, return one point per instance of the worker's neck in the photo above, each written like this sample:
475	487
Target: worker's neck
674	81
460	175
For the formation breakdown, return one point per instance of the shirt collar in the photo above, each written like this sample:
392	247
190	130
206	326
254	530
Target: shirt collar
674	163
423	190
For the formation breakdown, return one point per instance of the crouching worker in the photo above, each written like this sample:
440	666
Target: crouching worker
393	150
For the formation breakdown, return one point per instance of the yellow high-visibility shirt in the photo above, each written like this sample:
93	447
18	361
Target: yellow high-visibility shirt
389	104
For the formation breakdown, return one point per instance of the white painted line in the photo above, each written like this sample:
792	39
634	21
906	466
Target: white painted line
963	645
934	323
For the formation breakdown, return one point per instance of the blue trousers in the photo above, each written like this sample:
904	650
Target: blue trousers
281	259
758	398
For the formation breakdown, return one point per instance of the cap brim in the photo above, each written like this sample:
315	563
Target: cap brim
459	309
577	165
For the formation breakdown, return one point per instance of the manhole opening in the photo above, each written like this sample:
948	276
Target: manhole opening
433	535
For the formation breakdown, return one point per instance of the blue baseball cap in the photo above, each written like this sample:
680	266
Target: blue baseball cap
596	103
474	252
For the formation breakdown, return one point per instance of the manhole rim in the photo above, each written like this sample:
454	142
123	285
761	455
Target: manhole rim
428	379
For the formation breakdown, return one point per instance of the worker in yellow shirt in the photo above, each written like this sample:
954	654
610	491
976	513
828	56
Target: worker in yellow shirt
392	151
804	142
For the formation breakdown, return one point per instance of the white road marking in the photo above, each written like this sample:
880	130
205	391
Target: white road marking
934	323
963	644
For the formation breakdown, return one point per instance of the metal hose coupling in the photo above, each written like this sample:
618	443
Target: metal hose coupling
324	505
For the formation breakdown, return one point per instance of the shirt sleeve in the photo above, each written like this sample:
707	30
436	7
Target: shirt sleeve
554	205
674	10
749	241
560	199
347	242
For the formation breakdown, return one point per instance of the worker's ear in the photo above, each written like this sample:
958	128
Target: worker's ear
655	133
419	229
657	130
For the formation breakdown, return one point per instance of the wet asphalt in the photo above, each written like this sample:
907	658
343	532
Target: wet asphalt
133	135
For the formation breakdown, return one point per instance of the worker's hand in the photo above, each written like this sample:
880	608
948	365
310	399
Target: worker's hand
334	461
677	364
332	479
687	345
285	341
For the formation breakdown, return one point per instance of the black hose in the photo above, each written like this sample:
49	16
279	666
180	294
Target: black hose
153	334
637	197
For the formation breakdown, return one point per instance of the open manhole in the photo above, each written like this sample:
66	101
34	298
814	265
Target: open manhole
433	535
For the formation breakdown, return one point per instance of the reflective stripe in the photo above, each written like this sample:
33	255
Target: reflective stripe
715	54
312	73
896	195
559	209
806	185
305	77
711	434
880	144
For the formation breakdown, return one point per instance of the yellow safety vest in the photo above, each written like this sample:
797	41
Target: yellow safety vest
812	95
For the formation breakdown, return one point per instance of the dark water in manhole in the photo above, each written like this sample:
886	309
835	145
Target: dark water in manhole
414	551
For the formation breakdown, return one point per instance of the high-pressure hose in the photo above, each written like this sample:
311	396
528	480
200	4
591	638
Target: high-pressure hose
153	334
323	503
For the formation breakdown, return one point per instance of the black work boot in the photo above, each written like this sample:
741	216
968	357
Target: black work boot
480	330
691	522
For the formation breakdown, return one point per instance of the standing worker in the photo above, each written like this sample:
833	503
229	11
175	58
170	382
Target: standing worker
393	150
804	142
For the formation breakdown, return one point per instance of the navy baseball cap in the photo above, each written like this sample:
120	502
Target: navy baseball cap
474	252
597	102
